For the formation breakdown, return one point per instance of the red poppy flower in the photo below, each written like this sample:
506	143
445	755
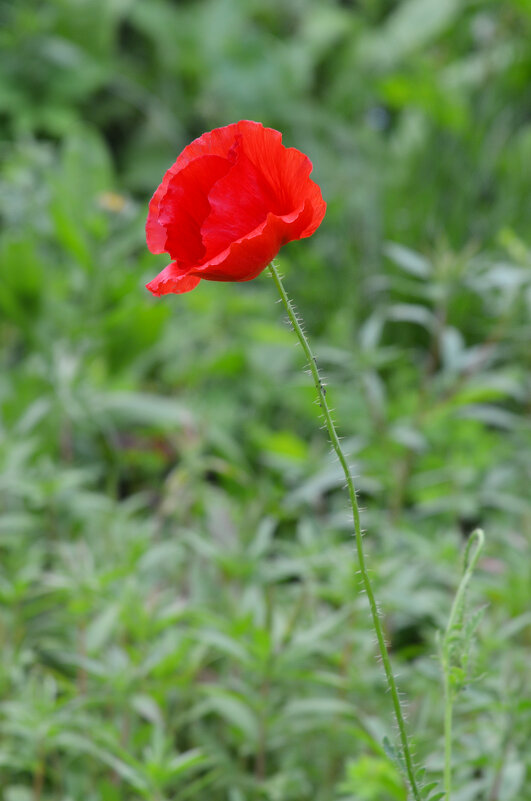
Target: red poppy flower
228	204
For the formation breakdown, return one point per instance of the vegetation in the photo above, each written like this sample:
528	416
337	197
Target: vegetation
180	610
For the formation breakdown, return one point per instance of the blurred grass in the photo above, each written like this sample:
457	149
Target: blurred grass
180	614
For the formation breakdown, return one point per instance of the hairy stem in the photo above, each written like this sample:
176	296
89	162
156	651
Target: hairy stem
472	552
377	624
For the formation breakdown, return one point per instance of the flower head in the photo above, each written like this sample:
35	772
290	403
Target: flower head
225	208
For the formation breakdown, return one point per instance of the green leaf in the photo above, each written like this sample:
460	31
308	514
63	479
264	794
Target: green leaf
233	709
79	744
100	630
426	790
186	762
408	260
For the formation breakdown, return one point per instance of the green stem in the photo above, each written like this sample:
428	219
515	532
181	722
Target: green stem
476	541
377	624
448	712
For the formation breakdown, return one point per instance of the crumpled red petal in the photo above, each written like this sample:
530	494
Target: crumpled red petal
172	280
239	203
245	258
186	204
214	143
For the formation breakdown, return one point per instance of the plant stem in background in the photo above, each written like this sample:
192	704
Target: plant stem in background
451	636
377	624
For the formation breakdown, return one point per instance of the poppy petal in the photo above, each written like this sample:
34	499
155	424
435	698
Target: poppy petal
239	202
220	141
185	205
155	232
245	258
172	279
287	169
214	143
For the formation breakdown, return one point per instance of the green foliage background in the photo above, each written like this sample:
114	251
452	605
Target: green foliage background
180	614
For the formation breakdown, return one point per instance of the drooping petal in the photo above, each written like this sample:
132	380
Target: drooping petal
172	279
245	258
